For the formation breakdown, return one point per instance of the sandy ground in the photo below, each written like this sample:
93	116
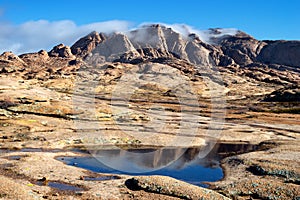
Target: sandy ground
45	115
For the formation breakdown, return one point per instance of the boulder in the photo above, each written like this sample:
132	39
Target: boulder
61	51
10	62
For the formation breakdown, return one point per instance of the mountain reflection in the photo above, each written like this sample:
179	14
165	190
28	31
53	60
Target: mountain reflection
193	165
151	159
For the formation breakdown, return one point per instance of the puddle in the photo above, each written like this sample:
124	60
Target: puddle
100	178
59	186
16	157
41	150
186	164
5	150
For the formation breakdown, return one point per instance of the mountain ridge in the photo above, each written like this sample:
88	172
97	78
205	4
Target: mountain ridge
235	52
239	48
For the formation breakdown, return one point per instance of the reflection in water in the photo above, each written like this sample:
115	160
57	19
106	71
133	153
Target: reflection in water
184	164
138	160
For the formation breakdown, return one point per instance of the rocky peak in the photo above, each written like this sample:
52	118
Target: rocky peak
114	46
160	38
240	47
87	44
150	42
10	62
148	37
9	56
61	50
39	57
43	53
195	37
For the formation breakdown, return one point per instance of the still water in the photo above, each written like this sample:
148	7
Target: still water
186	164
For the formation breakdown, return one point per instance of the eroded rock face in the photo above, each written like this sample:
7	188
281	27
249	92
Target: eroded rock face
87	44
242	48
10	62
152	42
155	41
9	56
114	46
61	51
281	52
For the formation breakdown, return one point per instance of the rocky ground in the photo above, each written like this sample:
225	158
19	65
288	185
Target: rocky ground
84	96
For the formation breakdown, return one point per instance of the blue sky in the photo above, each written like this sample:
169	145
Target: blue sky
263	19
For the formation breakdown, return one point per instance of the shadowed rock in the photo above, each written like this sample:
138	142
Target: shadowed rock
171	187
281	52
87	44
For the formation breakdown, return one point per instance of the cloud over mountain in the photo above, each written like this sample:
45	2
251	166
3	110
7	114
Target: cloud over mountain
42	34
33	36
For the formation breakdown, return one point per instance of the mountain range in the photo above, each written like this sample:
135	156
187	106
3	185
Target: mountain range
274	62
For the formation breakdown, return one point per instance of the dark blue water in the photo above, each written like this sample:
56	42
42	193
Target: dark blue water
186	164
193	173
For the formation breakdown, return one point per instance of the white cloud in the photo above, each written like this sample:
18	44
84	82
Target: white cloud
204	35
33	36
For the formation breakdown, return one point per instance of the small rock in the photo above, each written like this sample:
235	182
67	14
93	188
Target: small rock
44	123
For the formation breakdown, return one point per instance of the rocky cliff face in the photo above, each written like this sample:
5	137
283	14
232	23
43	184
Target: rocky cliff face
86	44
280	52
